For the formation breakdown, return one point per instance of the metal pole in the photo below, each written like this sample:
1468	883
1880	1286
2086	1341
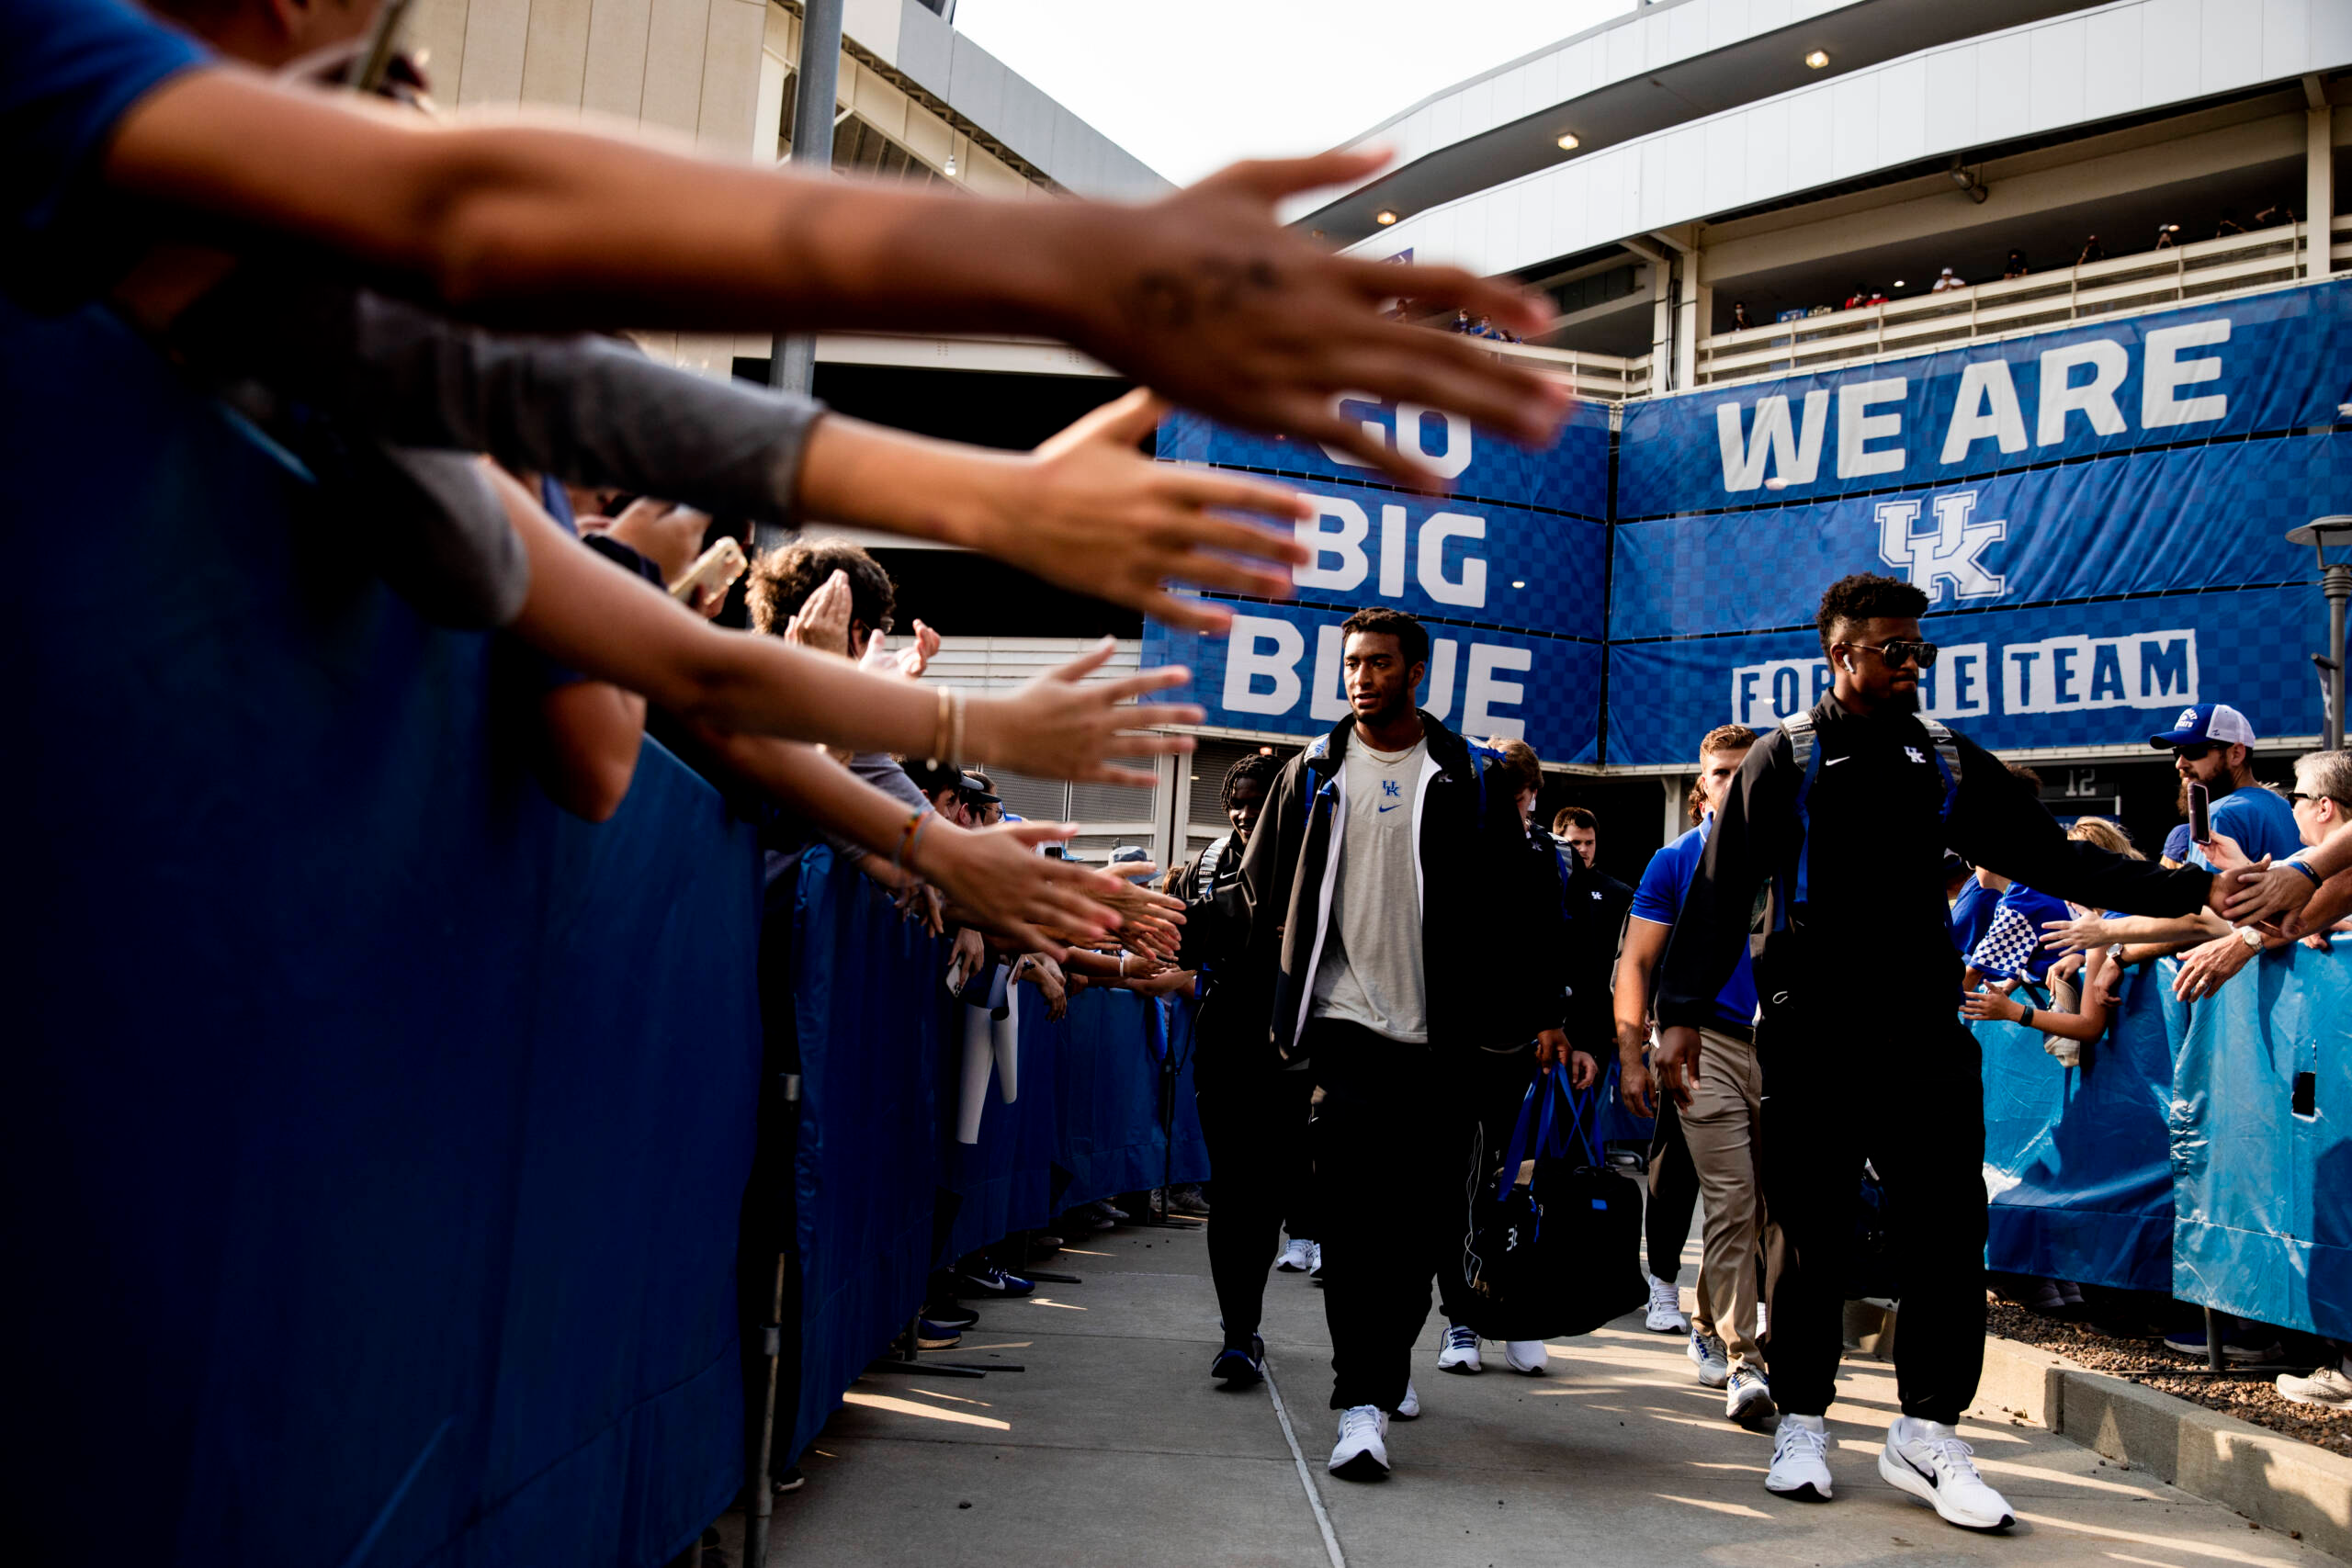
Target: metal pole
792	357
2336	582
759	1497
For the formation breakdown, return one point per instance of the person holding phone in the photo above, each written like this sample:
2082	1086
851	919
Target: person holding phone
1847	812
2212	750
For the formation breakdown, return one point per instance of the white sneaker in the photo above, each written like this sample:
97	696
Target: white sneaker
1800	1459
1315	1257
1526	1356
2328	1388
1927	1460
1362	1453
1298	1257
1707	1354
1747	1398
1460	1352
1409	1408
1666	1309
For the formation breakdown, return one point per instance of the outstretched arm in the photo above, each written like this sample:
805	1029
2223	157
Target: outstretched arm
1200	294
608	623
1996	822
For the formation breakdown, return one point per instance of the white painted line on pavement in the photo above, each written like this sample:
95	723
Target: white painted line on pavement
1306	1477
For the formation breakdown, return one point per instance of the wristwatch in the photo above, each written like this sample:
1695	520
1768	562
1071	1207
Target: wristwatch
2252	938
2115	950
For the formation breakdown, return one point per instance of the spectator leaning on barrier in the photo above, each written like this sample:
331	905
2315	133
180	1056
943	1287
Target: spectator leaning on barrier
2321	801
1718	1119
1382	933
2310	890
1847	813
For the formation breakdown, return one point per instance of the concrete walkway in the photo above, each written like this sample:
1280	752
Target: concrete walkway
1113	1449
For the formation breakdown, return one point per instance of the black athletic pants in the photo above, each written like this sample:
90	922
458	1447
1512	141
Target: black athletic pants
1393	1135
1674	1190
1255	1122
1497	1081
1905	1092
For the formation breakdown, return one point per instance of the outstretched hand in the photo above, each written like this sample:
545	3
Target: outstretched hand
1203	296
822	623
1060	726
997	879
1088	512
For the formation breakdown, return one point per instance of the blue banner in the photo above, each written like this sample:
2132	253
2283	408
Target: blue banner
1452	560
1278	671
2268	362
2053	676
1571	475
2194	517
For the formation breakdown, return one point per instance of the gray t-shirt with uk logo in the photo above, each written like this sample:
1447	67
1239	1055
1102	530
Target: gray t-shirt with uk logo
1371	971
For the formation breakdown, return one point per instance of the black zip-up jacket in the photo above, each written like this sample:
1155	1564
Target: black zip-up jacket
1493	936
1596	906
1874	922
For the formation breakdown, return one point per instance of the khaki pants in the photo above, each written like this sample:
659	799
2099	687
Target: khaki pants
1723	1127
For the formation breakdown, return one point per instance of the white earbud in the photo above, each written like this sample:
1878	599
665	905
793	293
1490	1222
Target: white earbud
1848	663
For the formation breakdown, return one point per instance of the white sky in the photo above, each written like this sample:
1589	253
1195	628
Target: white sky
1189	85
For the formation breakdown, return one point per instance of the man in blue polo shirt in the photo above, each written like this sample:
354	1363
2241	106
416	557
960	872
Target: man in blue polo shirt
1720	1117
2212	744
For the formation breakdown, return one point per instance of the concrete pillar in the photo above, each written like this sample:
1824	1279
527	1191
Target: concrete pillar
1696	309
1662	322
2319	189
1675	790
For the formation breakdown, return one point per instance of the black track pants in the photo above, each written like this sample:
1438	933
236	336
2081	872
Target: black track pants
1254	1121
1904	1092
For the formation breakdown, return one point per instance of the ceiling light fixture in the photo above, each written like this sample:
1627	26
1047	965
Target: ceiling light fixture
1898	283
1569	143
951	165
1817	59
1384	217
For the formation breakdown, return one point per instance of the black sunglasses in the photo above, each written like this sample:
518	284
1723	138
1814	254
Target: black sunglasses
1899	651
2197	752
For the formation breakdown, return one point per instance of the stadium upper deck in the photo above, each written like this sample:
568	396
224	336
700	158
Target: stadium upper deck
1786	156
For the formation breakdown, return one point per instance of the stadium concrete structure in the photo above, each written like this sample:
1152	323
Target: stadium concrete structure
1657	176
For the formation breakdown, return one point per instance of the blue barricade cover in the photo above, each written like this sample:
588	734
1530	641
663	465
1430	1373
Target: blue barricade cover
2078	1161
379	1133
884	1192
2263	1222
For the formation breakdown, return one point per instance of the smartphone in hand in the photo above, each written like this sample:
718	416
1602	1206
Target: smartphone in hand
2200	814
713	574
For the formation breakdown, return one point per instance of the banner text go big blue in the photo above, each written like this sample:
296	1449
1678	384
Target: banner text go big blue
2096	515
1513	596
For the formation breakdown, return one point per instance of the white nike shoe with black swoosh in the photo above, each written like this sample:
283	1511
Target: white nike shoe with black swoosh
1927	1460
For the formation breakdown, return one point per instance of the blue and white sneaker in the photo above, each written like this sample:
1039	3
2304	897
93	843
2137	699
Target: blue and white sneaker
1238	1367
991	1281
1708	1355
930	1335
1747	1398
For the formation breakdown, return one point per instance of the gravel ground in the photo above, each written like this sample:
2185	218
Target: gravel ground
2247	1398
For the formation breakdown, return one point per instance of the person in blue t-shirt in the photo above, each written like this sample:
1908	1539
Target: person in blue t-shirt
2212	744
1721	1118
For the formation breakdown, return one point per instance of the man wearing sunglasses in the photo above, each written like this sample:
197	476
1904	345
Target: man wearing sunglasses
2212	744
1861	1048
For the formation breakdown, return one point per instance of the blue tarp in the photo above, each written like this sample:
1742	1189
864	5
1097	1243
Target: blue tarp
2078	1158
2263	1218
885	1193
375	1132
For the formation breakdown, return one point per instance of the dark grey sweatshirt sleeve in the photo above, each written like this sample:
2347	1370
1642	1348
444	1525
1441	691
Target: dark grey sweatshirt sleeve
586	408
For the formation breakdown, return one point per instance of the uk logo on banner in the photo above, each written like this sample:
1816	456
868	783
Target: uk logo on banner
1947	552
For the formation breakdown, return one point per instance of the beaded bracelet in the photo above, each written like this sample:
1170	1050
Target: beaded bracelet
907	832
